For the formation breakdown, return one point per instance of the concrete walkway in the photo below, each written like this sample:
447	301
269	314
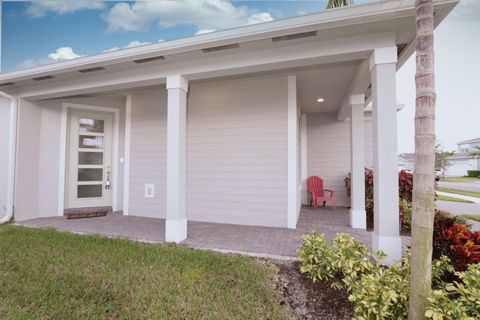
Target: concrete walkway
253	240
467	185
459	196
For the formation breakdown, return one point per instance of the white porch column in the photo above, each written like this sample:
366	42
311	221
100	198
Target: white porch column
358	217
293	208
176	223
386	213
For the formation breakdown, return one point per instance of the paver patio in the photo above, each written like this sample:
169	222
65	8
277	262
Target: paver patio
247	239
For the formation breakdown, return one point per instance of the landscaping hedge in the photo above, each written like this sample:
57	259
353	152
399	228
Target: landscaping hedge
381	292
473	173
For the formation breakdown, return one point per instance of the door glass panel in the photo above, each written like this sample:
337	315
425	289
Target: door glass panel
89	191
90	174
91	125
90	142
92	158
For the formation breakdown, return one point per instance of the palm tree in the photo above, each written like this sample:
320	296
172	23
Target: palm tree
475	153
424	173
338	3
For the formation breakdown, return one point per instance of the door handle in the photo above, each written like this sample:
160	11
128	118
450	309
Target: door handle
107	182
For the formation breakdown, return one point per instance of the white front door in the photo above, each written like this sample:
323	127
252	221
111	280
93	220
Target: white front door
89	160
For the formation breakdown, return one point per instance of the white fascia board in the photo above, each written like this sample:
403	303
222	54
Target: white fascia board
328	19
254	61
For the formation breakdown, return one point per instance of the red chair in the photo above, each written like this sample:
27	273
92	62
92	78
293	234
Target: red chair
315	188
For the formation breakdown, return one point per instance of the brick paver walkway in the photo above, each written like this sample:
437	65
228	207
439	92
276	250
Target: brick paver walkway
247	239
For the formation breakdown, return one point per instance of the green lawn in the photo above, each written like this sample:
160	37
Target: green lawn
475	217
46	274
460	179
460	191
452	199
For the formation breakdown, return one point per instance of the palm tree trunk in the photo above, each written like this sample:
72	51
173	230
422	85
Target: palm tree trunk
424	173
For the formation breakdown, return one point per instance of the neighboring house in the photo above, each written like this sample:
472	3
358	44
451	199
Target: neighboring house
220	127
405	161
461	161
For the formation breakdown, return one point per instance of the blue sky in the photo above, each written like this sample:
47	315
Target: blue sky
44	31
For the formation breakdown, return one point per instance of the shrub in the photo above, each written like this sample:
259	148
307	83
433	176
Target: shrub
459	300
381	292
406	214
378	292
473	173
405	188
455	241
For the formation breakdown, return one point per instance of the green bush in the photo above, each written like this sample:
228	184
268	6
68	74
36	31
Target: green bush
459	300
406	214
473	173
381	292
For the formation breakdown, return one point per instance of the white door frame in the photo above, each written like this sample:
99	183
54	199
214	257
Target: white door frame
63	150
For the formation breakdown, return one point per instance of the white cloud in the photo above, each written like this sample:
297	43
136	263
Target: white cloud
39	8
61	54
202	31
130	45
203	14
259	18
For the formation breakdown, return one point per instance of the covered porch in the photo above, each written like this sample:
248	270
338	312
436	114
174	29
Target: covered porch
280	243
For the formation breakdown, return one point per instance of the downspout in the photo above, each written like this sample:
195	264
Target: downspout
12	158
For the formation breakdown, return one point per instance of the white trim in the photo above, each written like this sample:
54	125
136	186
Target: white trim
390	245
63	151
383	56
292	193
175	230
62	161
303	155
177	82
126	164
12	156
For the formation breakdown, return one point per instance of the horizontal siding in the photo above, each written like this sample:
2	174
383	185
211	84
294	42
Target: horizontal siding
148	152
237	152
328	156
328	151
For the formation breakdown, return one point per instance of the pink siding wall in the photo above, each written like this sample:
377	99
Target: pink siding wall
237	152
148	148
328	151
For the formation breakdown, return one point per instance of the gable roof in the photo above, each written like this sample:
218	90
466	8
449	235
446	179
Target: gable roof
469	141
371	17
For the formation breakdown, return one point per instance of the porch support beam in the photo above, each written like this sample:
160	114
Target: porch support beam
386	213
360	82
293	203
358	217
176	222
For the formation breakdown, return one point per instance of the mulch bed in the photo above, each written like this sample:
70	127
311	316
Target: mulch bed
310	300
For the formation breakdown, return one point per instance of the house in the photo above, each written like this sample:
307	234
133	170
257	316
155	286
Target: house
461	161
406	161
220	127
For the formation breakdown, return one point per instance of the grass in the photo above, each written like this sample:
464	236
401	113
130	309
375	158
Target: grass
46	274
452	199
475	217
460	191
460	179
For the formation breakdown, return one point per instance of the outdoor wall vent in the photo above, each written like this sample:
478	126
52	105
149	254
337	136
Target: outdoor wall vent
149	59
6	84
43	78
220	48
91	69
295	36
